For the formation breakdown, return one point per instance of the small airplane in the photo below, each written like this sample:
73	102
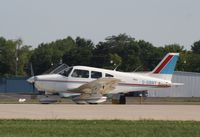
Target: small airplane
92	85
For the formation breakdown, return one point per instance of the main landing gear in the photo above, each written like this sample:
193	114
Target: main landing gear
119	99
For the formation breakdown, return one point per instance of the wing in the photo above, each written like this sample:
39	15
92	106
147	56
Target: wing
93	92
100	86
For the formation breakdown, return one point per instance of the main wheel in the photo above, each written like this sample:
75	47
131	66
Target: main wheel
122	99
119	99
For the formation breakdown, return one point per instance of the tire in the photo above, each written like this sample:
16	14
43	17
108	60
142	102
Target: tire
119	99
122	99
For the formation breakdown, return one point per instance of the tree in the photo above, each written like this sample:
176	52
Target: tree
192	63
14	57
120	39
176	48
121	45
81	54
149	55
4	65
173	48
196	47
121	49
115	60
49	54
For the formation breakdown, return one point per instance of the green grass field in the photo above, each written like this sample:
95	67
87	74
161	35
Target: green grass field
83	128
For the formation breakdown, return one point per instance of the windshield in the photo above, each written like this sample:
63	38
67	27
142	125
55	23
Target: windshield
66	72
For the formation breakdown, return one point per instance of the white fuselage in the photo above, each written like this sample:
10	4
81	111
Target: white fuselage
55	83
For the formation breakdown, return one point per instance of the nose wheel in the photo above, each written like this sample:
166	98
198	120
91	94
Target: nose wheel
47	99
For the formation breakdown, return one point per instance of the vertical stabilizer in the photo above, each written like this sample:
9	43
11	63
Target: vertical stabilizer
166	67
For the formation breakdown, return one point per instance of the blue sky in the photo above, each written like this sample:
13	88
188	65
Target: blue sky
160	22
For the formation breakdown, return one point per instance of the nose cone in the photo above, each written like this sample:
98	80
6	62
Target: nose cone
48	83
31	79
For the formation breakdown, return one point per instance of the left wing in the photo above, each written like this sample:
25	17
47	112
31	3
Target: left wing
93	92
100	86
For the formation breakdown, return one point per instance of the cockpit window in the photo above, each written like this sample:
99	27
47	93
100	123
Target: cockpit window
96	74
109	75
66	72
78	73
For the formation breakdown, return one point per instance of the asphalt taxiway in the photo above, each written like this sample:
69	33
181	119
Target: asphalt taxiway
100	112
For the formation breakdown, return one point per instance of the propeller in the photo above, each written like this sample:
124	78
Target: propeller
32	79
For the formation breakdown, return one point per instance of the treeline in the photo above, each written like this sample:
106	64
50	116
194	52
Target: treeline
121	51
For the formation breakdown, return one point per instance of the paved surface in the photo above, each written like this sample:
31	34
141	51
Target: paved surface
127	112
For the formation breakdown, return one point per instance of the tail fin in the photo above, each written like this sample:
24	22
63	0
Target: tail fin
166	67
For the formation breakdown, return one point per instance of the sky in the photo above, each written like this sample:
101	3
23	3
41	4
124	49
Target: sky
159	22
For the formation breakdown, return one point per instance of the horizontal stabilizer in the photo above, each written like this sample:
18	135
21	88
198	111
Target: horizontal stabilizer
177	84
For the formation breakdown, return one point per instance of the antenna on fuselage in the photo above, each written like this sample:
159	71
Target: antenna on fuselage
112	62
137	68
117	67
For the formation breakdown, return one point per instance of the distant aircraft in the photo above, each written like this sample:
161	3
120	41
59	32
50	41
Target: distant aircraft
92	85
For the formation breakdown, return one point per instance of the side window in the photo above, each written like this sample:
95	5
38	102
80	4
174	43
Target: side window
95	74
109	75
77	73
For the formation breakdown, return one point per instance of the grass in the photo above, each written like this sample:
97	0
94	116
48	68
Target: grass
98	128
